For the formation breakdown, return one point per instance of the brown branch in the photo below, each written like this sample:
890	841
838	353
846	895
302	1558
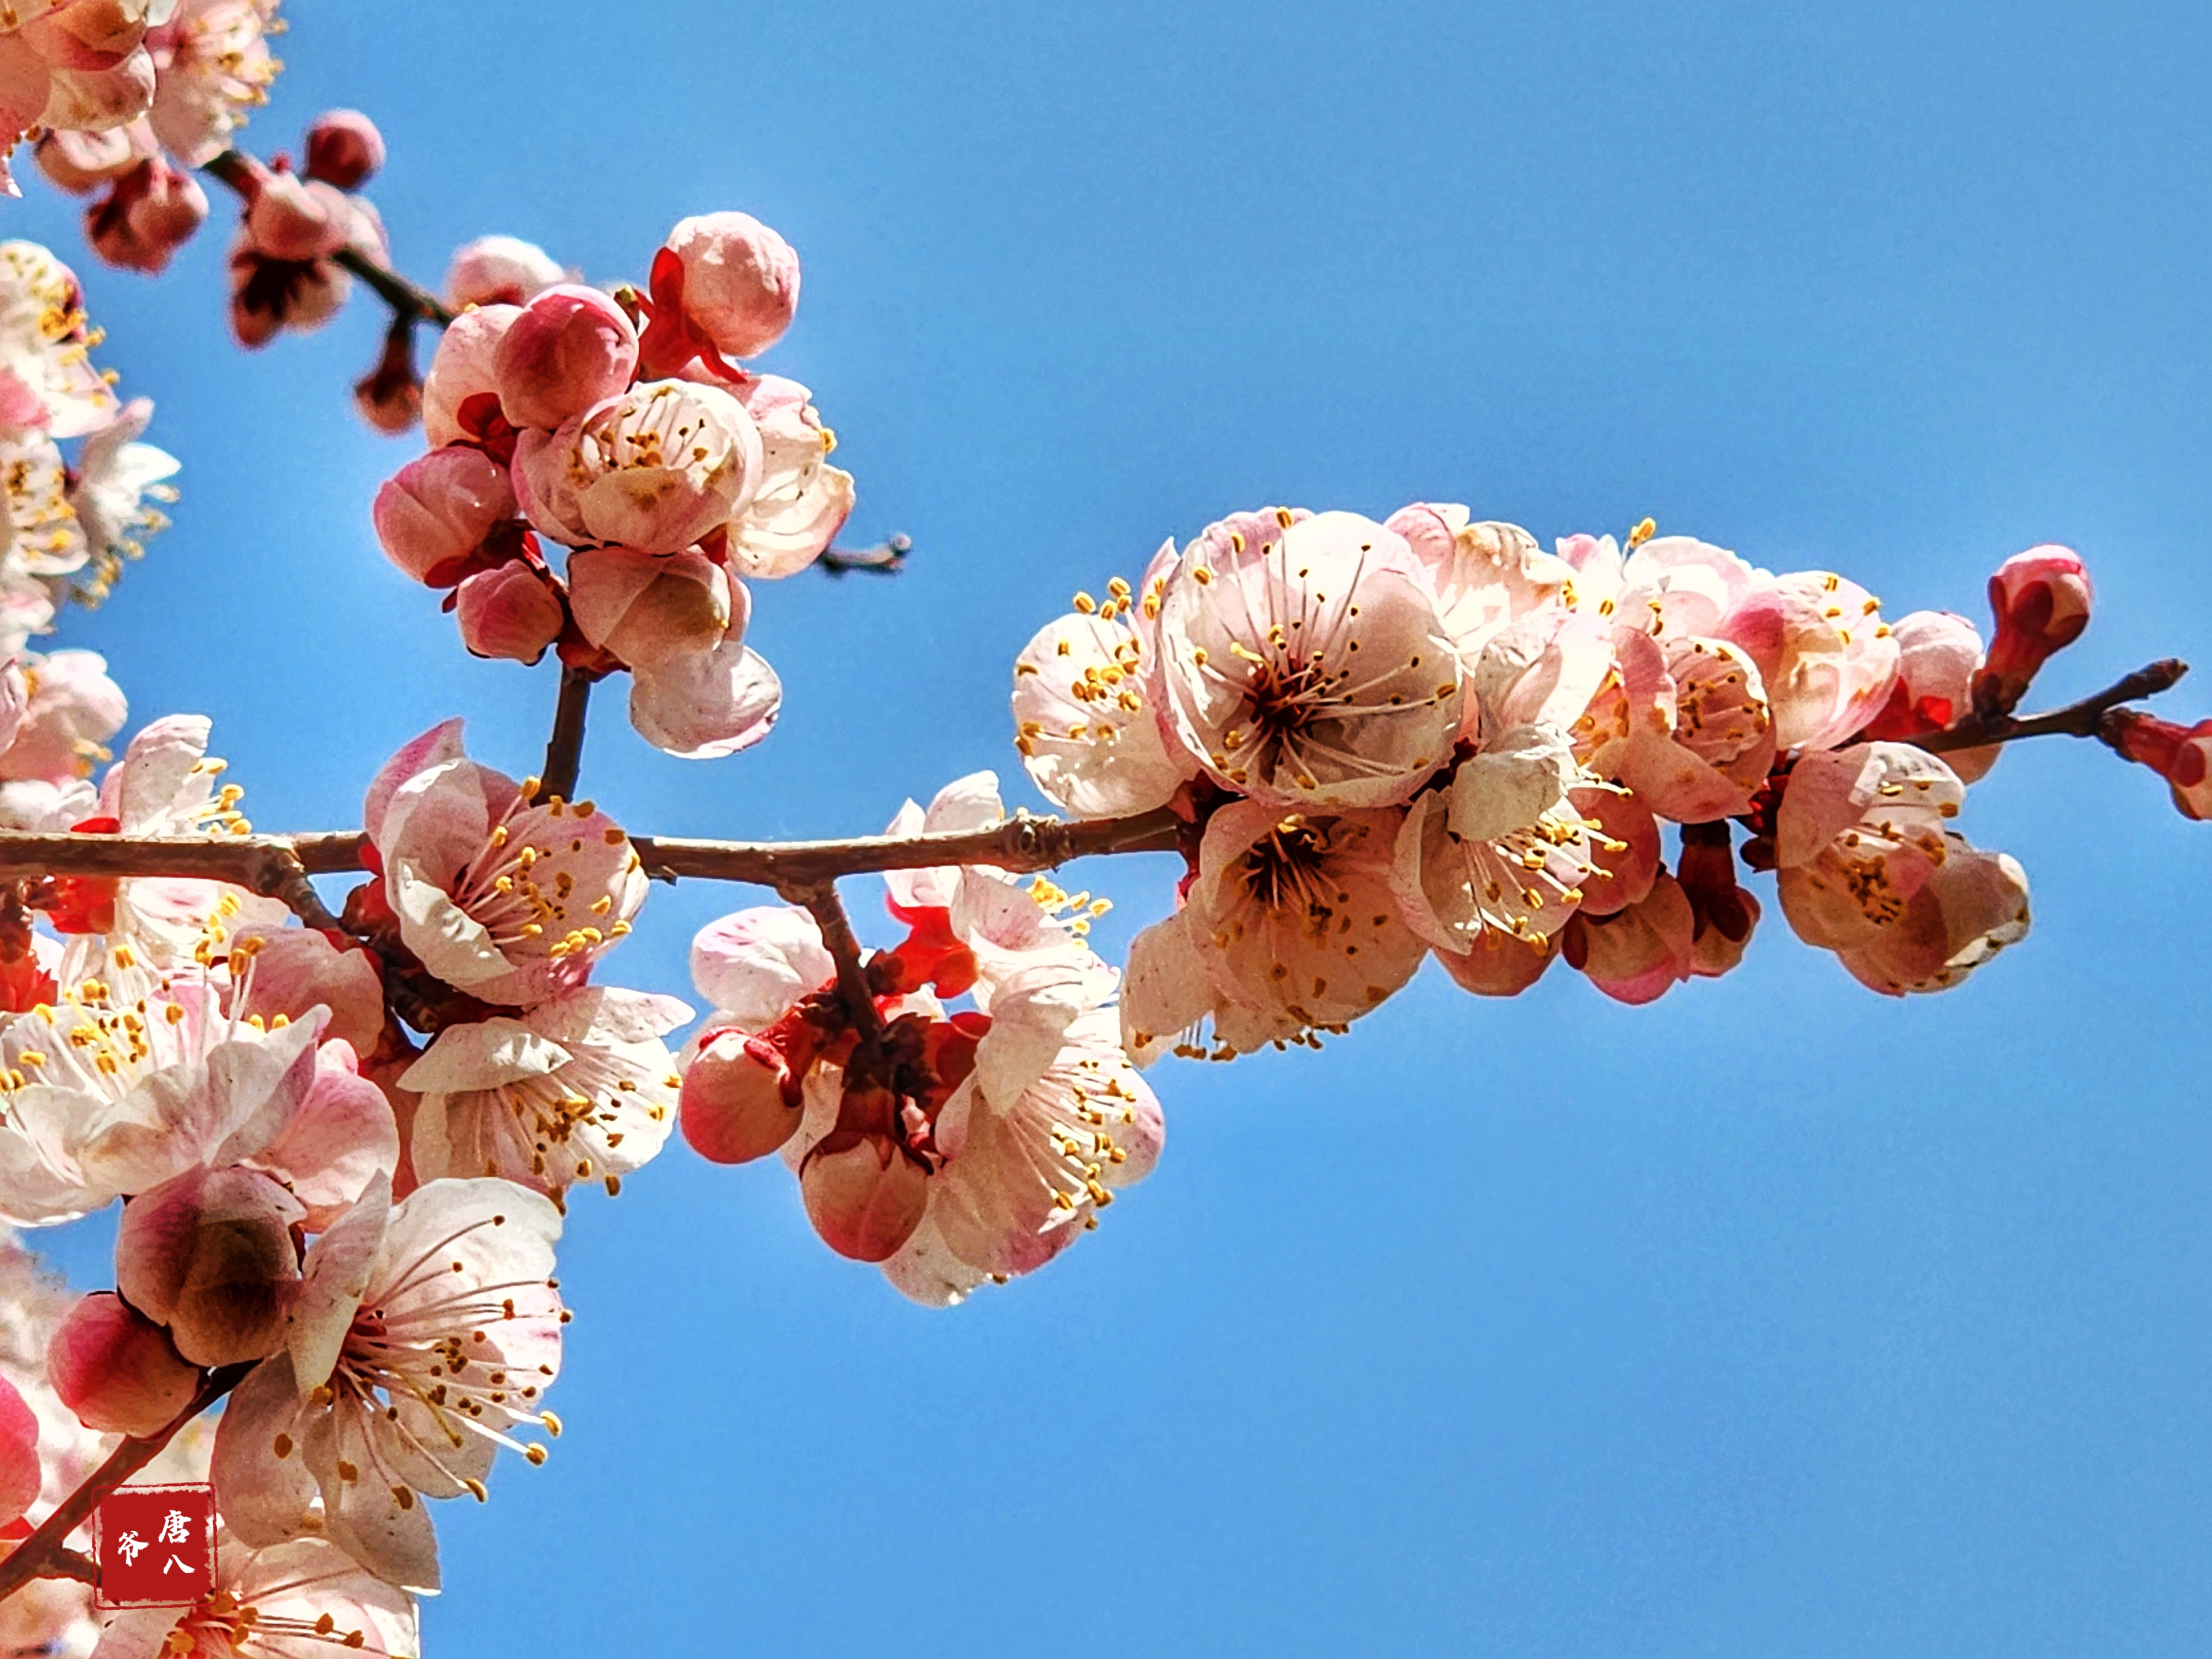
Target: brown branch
886	558
276	864
564	750
407	300
820	900
44	1553
2084	719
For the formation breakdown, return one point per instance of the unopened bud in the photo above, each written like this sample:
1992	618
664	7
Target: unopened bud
508	612
865	1199
649	610
741	280
2182	755
296	219
570	347
2041	600
734	1106
116	1369
390	396
344	149
500	270
435	513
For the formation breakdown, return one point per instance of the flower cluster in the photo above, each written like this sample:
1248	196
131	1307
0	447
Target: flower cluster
618	427
70	519
951	1146
1430	736
132	95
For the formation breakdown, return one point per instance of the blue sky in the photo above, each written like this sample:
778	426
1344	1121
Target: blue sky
1773	1319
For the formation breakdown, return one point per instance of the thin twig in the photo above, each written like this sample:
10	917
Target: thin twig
243	174
44	1553
266	864
564	750
2077	719
886	558
820	900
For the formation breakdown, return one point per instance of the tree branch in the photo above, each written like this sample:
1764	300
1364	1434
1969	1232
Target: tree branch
277	865
886	558
407	300
564	750
2084	719
820	900
44	1553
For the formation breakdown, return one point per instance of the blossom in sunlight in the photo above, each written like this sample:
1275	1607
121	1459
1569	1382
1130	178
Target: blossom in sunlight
446	514
1309	667
1640	951
655	468
303	1599
47	377
502	893
78	68
1939	654
1291	929
1086	712
118	1369
1972	905
725	282
74	710
461	368
510	611
801	502
118	476
701	705
424	1334
499	270
1486	575
212	65
578	1088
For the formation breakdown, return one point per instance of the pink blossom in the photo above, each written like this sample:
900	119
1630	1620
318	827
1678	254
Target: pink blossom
754	965
1972	905
509	611
145	216
80	162
303	1599
1310	668
1290	927
294	969
1688	728
90	99
738	1098
1641	951
1826	659
213	64
1503	849
569	348
703	704
390	396
116	1369
499	270
268	296
1859	832
577	1088
502	893
654	469
434	515
802	502
343	148
1624	848
425	1333
648	609
74	708
1485	575
461	368
1086	714
2041	600
741	280
47	378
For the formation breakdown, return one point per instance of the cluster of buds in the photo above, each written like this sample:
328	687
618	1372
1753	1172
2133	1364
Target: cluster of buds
619	428
137	94
285	269
952	1145
1430	736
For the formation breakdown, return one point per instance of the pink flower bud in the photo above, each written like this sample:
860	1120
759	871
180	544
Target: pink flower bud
1939	655
390	396
461	367
508	612
2041	600
146	216
343	148
1499	965
269	296
296	219
80	162
20	1475
435	513
570	347
2182	755
116	1369
500	270
733	1107
647	609
209	1255
741	280
1725	915
865	1201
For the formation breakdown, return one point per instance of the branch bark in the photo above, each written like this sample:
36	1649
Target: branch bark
564	750
45	1553
2084	719
278	866
828	910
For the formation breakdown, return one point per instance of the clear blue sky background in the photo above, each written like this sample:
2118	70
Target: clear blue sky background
1773	1319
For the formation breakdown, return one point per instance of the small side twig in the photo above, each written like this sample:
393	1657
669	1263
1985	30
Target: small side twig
2084	719
44	1553
886	558
564	749
828	910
